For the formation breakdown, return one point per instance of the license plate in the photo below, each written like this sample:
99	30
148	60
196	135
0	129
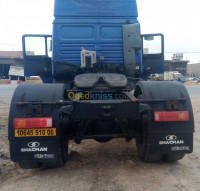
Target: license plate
35	132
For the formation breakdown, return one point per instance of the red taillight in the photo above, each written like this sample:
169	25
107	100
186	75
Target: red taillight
171	116
30	123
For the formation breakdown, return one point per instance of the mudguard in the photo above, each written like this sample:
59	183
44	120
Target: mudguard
29	98
167	137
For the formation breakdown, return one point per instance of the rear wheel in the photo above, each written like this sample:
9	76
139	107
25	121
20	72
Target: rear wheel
35	94
167	90
173	157
143	145
62	157
28	164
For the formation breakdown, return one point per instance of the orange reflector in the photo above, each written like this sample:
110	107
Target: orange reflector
31	123
171	116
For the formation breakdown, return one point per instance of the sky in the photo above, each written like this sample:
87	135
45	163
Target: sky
178	20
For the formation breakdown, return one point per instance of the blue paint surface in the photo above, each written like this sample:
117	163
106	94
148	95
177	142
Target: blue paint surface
92	24
95	8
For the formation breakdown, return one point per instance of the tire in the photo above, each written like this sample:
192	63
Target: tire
149	91
62	157
103	140
173	157
28	165
143	146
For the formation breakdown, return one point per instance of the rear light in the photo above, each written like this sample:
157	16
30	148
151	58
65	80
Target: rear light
171	116
31	123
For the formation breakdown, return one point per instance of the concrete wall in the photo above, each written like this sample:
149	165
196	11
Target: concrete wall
11	54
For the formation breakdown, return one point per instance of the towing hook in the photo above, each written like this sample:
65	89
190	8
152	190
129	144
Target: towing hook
101	79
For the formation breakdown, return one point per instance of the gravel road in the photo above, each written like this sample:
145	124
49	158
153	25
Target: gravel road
94	166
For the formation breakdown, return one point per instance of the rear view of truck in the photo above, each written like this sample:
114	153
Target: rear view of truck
94	88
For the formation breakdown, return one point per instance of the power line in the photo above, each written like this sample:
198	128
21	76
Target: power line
185	52
10	44
193	52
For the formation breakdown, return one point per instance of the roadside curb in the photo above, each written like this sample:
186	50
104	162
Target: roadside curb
19	81
5	81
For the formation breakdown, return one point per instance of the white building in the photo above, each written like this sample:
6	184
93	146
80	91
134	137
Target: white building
193	70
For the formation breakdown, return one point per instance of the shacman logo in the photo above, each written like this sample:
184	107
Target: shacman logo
33	144
171	137
171	140
34	147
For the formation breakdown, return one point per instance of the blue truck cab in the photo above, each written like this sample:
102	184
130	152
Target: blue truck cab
95	26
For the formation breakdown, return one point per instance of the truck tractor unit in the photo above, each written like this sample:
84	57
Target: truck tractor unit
94	69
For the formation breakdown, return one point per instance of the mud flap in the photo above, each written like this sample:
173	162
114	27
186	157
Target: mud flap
34	150
171	143
168	137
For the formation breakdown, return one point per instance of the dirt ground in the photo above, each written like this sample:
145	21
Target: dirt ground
94	166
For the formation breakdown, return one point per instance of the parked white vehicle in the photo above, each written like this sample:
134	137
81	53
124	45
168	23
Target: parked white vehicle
172	76
16	72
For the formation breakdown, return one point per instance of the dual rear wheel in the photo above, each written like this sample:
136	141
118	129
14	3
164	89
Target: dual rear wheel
143	145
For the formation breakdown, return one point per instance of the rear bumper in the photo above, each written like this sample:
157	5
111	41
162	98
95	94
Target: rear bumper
119	109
